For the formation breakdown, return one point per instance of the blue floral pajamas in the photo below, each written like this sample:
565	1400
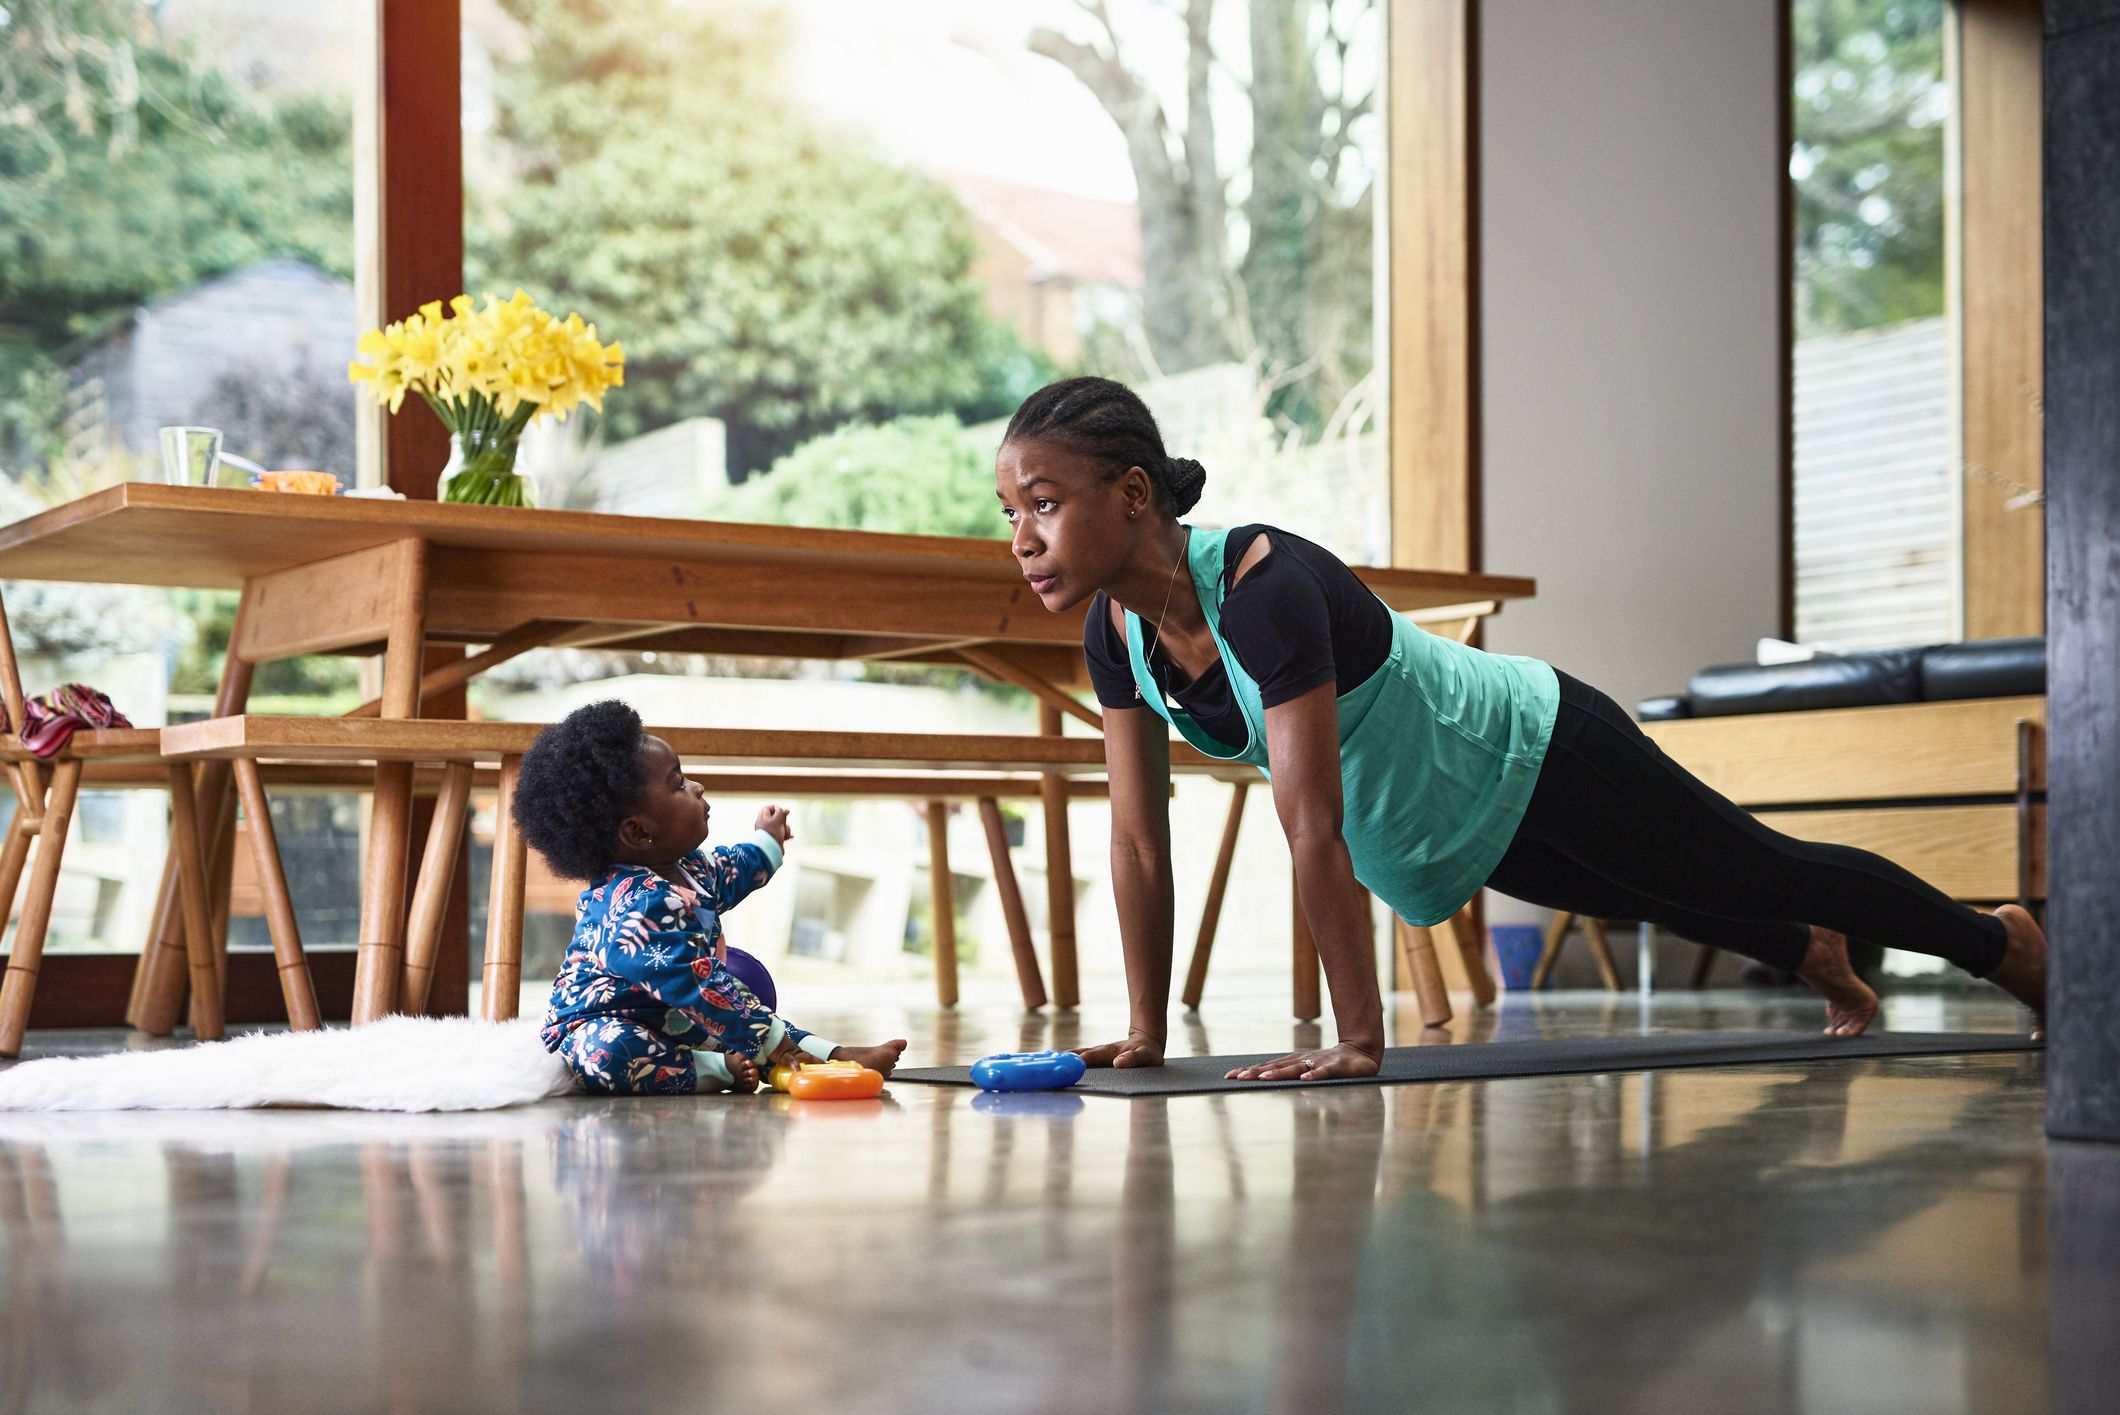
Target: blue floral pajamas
642	989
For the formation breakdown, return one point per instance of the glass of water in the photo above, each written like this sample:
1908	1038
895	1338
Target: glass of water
190	455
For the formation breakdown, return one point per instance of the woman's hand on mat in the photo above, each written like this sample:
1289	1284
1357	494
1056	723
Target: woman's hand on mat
1322	1065
1139	1049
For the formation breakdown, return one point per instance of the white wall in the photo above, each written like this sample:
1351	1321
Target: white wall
1629	160
1628	170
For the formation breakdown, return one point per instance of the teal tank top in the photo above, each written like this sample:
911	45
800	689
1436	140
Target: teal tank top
1439	750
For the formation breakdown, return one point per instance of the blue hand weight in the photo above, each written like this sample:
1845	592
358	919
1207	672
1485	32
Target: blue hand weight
1028	1071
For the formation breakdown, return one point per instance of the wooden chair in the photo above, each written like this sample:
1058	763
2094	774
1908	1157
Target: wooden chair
44	812
1593	934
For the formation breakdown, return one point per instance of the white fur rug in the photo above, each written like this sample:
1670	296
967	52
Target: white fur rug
399	1063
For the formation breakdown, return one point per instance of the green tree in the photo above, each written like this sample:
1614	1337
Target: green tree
921	476
1869	109
758	268
1271	259
130	168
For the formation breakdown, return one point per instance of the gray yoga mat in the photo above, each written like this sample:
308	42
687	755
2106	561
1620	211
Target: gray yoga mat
1557	1056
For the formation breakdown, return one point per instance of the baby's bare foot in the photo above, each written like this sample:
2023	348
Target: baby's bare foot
743	1073
2022	971
1850	1002
882	1058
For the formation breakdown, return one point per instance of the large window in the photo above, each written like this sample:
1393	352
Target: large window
841	241
1876	499
176	247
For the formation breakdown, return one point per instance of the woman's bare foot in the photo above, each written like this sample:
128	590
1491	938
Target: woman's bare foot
2022	971
743	1072
881	1058
1850	1002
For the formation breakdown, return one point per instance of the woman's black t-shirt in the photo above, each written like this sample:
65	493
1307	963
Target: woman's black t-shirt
1298	618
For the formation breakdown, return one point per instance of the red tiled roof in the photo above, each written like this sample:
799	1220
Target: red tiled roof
1078	237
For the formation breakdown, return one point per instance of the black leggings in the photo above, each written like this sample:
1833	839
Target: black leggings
1617	830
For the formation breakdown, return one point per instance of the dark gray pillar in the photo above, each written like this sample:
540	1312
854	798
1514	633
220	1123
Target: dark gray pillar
2083	565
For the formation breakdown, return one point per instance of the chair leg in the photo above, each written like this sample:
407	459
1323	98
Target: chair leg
1601	950
1308	1002
1556	935
500	989
27	955
220	880
1465	934
1028	979
942	903
14	855
430	895
165	906
1703	964
1059	877
207	1018
297	988
1211	911
1417	960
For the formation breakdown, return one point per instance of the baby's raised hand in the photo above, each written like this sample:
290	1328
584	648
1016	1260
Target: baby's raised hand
773	820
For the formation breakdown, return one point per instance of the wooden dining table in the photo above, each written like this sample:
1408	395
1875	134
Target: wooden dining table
360	575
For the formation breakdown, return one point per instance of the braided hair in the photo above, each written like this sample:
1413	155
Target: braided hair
1108	422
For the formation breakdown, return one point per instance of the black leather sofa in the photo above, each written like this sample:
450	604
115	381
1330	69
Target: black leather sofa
1981	668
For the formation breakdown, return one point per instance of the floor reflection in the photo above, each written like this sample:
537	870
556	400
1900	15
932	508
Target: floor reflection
1867	1234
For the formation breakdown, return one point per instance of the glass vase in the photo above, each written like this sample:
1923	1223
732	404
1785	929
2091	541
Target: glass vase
482	470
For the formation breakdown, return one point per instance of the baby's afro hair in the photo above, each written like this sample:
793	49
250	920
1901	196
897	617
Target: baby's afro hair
580	778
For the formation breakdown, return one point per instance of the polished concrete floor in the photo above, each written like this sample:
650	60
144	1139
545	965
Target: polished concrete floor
1887	1235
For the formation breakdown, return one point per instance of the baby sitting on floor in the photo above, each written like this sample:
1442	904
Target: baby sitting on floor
644	1004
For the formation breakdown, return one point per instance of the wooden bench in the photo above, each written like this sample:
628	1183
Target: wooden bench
922	766
1954	791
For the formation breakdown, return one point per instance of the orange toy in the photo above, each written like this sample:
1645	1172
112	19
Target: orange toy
828	1081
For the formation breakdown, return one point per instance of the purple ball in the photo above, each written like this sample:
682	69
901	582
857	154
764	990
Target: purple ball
753	975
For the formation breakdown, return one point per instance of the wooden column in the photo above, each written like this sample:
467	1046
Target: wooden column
408	201
1059	875
2000	326
1434	284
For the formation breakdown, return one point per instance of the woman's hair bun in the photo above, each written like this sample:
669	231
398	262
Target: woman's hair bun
1182	480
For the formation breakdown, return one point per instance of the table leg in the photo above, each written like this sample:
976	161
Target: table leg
381	957
1059	876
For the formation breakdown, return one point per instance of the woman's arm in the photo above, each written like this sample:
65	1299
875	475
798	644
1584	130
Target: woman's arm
1303	743
1137	759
